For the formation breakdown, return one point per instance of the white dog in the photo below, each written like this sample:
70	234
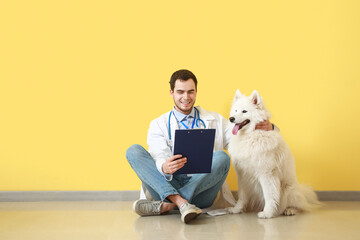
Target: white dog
264	164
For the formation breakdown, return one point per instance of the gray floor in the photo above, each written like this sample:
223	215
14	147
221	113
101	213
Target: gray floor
116	220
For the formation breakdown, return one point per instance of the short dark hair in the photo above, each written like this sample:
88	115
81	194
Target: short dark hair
184	75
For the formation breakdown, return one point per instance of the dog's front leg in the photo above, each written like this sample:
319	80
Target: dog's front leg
270	185
240	204
242	195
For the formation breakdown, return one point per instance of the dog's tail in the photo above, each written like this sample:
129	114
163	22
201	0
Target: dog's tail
301	197
309	198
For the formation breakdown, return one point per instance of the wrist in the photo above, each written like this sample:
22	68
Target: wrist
162	168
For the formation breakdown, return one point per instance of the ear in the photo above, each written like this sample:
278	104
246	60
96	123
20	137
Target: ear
255	97
237	94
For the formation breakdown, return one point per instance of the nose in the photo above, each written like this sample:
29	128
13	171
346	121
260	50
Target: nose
232	119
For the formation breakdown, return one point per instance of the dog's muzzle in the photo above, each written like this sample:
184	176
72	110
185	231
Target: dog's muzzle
239	126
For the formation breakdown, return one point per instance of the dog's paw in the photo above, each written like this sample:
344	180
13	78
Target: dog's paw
290	211
234	210
265	215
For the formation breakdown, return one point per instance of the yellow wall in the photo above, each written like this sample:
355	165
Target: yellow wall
80	82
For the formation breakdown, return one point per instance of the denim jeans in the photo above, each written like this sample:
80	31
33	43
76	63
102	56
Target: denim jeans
198	189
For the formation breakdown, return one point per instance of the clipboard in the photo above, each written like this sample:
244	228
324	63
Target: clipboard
198	146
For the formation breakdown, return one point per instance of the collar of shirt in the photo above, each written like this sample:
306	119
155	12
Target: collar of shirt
182	117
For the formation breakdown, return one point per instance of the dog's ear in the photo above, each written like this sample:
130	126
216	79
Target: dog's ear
237	94
256	99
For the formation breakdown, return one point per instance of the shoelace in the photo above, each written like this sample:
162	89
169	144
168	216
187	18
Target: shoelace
155	208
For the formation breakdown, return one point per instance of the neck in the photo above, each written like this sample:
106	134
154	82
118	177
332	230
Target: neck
185	113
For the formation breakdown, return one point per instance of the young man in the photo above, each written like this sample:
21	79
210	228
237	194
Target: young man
155	167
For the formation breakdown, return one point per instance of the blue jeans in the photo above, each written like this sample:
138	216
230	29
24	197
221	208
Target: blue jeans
198	189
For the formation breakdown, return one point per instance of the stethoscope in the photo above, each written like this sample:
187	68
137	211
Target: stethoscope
195	122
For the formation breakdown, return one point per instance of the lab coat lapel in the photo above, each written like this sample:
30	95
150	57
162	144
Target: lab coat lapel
206	117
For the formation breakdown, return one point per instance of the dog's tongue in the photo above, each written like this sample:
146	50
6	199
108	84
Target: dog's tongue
236	129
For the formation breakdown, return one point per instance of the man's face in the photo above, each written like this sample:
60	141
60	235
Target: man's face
184	95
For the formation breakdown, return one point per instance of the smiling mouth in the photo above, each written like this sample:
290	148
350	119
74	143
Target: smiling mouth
186	105
239	126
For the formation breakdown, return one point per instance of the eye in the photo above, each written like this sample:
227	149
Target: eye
244	111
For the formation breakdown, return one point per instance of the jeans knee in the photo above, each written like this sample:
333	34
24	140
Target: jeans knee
133	151
222	159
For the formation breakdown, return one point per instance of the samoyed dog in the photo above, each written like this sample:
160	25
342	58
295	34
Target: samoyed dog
264	164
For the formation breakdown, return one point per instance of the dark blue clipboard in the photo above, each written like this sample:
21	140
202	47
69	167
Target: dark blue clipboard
198	146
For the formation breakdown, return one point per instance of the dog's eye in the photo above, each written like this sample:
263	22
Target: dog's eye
244	111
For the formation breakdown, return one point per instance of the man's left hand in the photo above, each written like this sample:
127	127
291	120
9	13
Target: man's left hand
265	125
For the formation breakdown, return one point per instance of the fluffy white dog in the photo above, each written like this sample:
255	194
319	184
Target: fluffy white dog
264	164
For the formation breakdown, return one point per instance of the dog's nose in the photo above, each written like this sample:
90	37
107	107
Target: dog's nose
232	119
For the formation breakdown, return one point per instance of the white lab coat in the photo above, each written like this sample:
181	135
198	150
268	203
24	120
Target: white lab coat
160	147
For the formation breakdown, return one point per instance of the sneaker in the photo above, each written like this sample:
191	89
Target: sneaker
189	212
145	207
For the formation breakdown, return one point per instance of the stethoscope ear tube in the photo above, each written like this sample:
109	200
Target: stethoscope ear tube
201	121
169	125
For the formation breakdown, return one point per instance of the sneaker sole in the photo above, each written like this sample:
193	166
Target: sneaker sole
188	216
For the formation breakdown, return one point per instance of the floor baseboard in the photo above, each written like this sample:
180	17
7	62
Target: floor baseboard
338	195
40	196
36	196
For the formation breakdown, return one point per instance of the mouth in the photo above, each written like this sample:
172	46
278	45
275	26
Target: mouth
185	103
239	126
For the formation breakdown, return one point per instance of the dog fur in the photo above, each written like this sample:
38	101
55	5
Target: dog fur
264	164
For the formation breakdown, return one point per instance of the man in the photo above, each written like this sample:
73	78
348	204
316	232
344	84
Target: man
155	168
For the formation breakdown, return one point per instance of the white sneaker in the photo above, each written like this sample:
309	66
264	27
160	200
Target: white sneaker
145	207
189	212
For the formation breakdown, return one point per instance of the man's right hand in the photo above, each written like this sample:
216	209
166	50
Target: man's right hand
174	163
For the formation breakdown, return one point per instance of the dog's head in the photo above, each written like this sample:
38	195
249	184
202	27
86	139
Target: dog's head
247	112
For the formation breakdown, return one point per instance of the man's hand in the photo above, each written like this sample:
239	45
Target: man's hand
265	125
174	163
